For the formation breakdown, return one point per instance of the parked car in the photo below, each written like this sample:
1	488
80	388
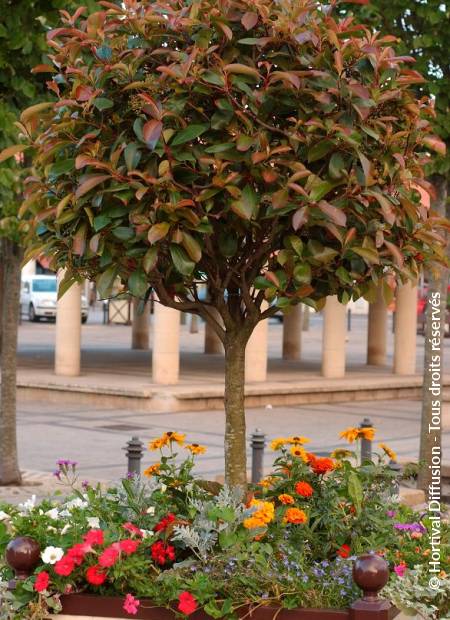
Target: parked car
38	297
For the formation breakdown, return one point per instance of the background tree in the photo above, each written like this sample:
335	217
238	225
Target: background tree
423	31
263	148
22	46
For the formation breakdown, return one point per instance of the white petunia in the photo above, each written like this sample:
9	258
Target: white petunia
94	522
76	503
150	510
4	516
28	505
53	513
147	533
51	555
65	529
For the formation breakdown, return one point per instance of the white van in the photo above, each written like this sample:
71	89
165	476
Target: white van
38	297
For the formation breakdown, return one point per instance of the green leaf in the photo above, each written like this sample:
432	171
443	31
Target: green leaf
62	167
247	203
320	190
368	254
132	155
336	167
124	233
302	273
355	490
181	261
105	281
343	275
158	232
213	78
137	283
101	103
101	221
219	148
150	259
319	150
189	133
192	247
67	282
227	539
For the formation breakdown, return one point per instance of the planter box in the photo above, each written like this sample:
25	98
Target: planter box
91	607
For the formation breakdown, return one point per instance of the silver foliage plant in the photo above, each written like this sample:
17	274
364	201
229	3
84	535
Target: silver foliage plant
202	535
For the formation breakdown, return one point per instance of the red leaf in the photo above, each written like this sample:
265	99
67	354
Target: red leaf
83	93
89	183
249	20
152	132
299	218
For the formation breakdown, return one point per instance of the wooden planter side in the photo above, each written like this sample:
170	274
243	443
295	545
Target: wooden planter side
112	607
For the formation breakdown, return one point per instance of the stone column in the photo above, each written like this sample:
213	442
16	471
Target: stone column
213	344
292	333
333	338
405	330
166	345
140	330
377	331
68	331
256	353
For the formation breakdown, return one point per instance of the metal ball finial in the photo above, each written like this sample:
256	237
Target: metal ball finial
22	555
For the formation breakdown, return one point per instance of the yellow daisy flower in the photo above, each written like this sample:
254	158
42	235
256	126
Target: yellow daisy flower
297	440
388	451
278	443
152	470
195	448
341	453
299	453
171	437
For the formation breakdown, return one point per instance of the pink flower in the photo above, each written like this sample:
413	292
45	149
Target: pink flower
109	556
400	569
94	537
129	546
131	604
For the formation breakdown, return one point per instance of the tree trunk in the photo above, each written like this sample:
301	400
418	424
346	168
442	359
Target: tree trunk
432	398
1	290
213	343
235	439
292	333
140	329
9	468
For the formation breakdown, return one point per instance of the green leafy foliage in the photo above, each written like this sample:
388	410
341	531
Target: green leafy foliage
222	133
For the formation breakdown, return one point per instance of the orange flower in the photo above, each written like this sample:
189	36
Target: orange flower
195	448
170	437
352	434
285	498
152	470
295	516
388	451
265	482
304	489
262	516
157	444
322	465
278	443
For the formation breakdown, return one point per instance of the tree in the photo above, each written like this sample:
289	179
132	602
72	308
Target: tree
423	30
19	52
266	149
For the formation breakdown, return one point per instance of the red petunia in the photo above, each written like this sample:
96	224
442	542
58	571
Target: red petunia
42	581
164	523
94	537
109	556
304	489
187	603
96	575
77	552
64	566
162	553
129	546
133	529
344	551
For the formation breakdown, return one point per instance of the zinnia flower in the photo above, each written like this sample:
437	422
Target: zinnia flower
295	516
285	498
388	451
304	489
400	569
51	555
95	575
152	470
131	604
264	514
187	603
344	551
195	448
322	465
42	581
